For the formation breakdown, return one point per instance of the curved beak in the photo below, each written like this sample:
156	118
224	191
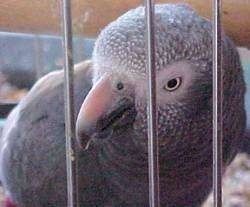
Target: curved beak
94	106
101	113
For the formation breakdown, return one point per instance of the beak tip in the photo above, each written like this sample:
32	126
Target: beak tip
86	146
83	140
83	134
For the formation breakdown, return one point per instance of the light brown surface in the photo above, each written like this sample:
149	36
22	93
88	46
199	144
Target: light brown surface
236	184
90	16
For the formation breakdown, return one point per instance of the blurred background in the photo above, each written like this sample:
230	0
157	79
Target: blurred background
24	58
30	47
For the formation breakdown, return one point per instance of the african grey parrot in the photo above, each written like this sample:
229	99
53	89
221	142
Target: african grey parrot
112	119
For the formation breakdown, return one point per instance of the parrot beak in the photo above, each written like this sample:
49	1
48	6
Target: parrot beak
100	114
93	107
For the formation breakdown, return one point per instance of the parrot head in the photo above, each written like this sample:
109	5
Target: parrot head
118	98
114	113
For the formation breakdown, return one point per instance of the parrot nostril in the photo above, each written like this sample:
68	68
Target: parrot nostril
119	86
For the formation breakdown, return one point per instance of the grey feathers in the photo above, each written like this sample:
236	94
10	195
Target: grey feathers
113	115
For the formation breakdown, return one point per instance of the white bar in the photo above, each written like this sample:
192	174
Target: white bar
71	159
217	105
153	160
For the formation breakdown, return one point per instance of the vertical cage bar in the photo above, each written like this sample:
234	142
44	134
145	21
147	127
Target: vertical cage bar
153	163
217	105
71	161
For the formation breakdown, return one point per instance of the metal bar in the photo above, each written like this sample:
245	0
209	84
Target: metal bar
71	160
153	160
217	105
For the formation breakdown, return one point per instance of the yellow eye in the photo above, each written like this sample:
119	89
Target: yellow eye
173	84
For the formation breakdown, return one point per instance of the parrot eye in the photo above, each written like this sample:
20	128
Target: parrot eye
173	84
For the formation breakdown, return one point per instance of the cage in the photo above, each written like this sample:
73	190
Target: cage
31	46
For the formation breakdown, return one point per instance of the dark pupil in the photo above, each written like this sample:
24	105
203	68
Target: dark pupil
172	83
119	86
